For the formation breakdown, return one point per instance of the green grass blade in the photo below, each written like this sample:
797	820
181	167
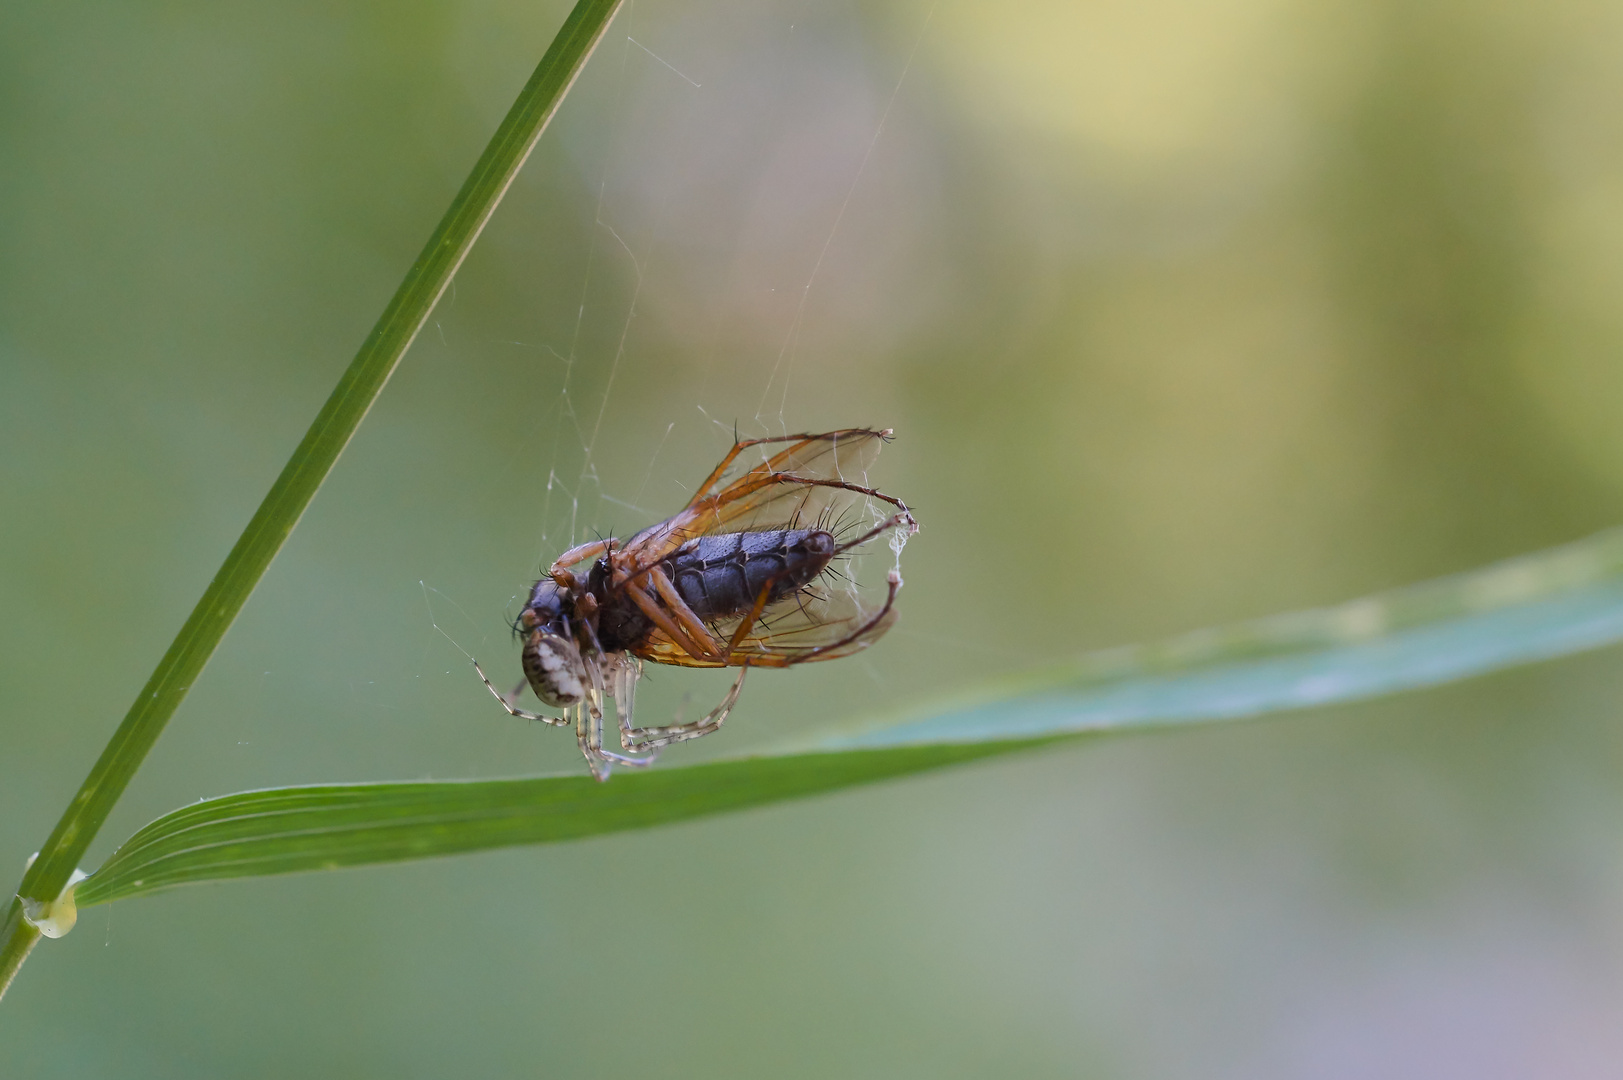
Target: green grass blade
306	469
285	830
1532	608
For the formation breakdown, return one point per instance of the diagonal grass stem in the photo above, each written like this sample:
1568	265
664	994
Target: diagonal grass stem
306	469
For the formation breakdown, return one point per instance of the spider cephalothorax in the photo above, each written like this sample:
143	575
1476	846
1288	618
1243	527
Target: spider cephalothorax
553	664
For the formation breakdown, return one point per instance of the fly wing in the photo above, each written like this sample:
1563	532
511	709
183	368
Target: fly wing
817	623
797	482
802	481
827	619
752	468
660	649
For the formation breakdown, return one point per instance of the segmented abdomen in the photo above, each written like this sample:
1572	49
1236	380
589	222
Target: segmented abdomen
723	575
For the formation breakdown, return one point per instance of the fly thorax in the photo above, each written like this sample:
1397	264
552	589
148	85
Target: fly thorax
554	668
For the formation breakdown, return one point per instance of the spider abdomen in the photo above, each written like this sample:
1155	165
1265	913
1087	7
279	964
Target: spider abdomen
723	575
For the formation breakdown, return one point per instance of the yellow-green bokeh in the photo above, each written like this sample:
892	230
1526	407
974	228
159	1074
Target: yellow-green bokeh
1183	312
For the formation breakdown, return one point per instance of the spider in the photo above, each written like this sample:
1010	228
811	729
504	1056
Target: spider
740	577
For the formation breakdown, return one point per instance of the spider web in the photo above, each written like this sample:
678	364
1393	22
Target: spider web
680	119
724	268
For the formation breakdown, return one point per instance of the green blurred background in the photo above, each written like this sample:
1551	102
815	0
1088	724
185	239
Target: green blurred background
1184	311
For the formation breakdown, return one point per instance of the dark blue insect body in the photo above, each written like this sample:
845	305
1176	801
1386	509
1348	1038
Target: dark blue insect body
718	577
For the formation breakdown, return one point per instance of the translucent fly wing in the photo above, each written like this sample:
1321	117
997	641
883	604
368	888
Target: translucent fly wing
802	481
826	620
829	455
795	482
816	623
658	648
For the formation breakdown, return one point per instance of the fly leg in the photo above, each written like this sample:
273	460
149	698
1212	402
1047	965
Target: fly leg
894	581
898	520
693	627
648	604
580	554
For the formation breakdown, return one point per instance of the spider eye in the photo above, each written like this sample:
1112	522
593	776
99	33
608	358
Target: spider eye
546	605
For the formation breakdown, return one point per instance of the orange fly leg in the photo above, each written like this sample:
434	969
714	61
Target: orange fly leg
748	624
895	581
581	554
659	618
791	478
894	521
696	630
652	547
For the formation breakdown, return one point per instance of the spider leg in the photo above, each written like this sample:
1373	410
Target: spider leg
623	688
555	721
656	738
589	732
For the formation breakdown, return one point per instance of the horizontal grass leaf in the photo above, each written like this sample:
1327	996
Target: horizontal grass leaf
1535	607
284	830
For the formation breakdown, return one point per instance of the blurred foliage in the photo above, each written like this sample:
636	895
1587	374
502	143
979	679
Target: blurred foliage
1183	314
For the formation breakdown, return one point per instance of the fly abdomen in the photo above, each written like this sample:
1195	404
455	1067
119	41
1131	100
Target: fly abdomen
722	575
